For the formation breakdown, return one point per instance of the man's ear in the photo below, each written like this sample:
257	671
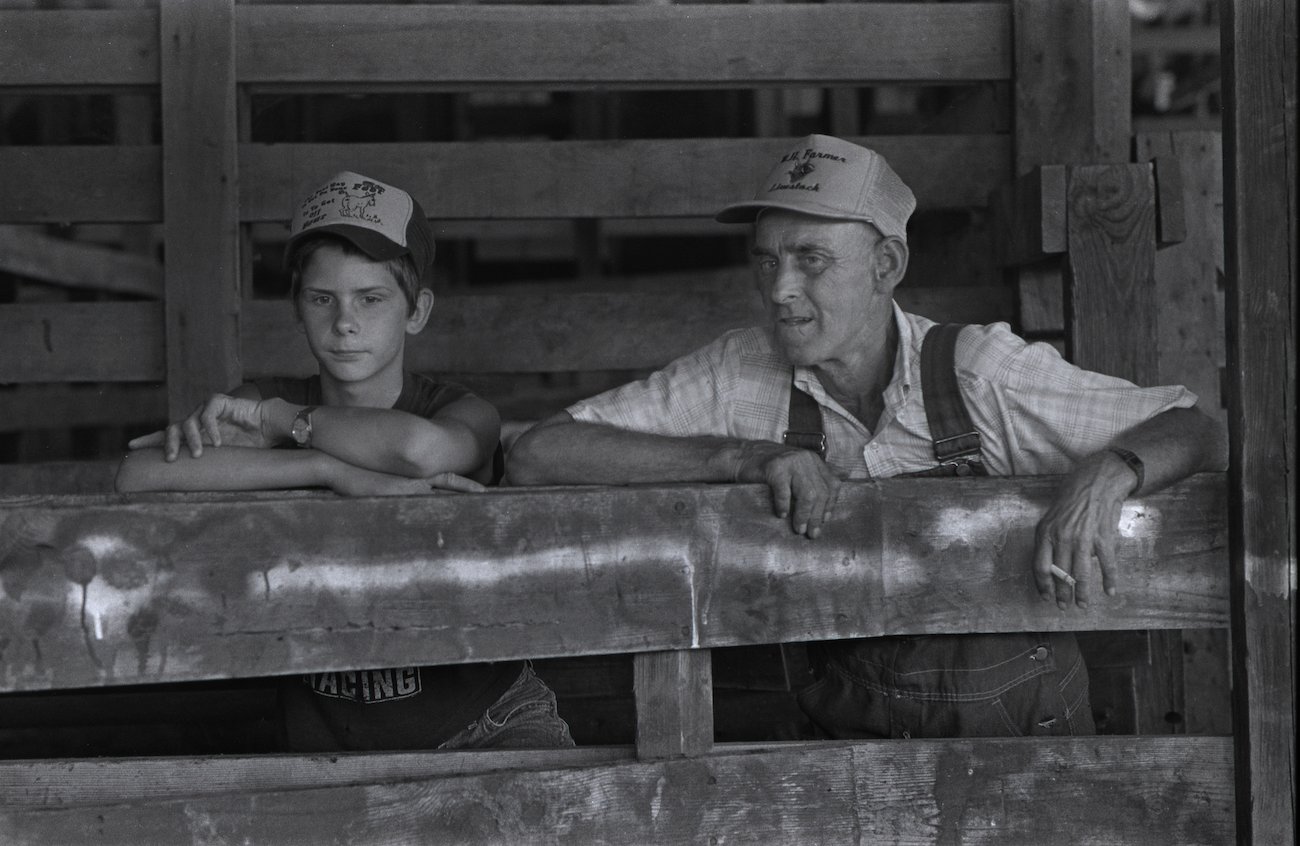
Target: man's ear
423	308
891	263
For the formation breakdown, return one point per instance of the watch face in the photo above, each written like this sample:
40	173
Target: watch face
300	430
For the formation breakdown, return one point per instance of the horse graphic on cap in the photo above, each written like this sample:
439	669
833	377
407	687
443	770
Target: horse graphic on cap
799	171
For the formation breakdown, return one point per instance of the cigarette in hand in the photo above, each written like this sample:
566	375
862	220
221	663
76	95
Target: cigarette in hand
1064	576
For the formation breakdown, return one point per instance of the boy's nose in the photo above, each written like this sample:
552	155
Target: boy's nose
345	321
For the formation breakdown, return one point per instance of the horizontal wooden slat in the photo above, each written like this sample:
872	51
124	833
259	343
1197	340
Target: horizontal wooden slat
649	45
484	179
122	342
77	265
58	477
1021	791
164	587
82	342
82	184
72	406
77	48
584	331
570	179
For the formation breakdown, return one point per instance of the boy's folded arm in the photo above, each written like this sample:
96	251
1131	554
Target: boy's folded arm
229	468
459	439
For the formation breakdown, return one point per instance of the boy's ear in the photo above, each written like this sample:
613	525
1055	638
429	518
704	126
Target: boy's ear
423	308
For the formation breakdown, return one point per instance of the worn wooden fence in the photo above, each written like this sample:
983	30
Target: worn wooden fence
102	590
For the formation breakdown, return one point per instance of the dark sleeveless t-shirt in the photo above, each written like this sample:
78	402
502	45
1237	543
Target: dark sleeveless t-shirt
396	707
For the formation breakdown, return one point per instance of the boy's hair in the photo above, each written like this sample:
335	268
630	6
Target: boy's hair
402	267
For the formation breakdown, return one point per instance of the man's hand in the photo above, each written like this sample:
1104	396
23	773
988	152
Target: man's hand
797	477
222	420
1081	524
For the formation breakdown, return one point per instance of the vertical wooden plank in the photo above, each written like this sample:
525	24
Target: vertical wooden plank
1189	311
200	199
1110	302
1259	187
674	703
1072	69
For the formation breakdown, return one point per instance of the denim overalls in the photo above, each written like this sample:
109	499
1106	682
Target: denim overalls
979	685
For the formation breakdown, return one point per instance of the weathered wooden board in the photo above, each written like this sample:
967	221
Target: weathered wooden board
156	587
75	265
654	45
674	703
1259	190
61	406
82	342
80	48
636	178
201	201
63	477
115	184
1022	791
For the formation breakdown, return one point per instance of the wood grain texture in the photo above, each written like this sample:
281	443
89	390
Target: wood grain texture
82	342
565	179
1189	302
80	48
647	45
201	200
1031	215
57	477
1110	292
1023	791
674	703
54	406
118	184
111	590
1260	152
77	265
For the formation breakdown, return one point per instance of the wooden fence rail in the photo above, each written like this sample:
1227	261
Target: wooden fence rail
151	588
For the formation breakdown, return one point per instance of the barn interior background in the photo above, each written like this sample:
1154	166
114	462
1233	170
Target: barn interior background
78	428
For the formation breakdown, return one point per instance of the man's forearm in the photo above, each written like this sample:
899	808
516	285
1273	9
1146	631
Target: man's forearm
565	452
228	468
1174	445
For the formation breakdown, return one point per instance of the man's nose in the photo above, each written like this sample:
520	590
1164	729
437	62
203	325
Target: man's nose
786	283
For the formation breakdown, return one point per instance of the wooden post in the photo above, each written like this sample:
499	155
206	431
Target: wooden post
674	703
1259	182
200	199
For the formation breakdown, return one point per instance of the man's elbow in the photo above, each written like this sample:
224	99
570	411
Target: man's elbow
524	465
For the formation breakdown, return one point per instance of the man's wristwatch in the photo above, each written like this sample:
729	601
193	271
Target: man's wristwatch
1135	464
301	430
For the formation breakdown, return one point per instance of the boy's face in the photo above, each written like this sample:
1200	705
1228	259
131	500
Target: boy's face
355	316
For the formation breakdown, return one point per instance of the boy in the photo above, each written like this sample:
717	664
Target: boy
360	255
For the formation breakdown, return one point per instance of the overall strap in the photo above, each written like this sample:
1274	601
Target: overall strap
805	425
956	441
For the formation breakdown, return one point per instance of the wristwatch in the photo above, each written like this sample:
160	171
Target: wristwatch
301	430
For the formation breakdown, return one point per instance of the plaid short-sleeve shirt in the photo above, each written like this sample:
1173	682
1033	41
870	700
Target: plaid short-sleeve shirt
1036	413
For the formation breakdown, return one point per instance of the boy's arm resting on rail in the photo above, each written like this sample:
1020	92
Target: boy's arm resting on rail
459	439
563	451
235	468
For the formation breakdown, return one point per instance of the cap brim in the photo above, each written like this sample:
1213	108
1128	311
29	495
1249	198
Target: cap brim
748	212
370	242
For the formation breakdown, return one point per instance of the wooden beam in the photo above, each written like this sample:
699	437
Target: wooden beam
1110	292
57	477
160	587
637	178
60	406
201	200
674	703
1030	215
1259	189
81	47
77	265
82	342
111	184
1154	791
661	46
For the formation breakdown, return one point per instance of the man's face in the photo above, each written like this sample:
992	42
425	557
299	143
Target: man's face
354	315
819	280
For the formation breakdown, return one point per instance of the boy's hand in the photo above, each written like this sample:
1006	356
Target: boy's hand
221	420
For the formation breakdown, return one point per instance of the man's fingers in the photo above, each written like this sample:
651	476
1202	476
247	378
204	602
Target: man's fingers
1043	555
173	446
781	494
453	482
154	439
214	408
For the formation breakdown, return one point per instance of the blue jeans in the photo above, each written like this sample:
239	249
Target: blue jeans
991	685
524	717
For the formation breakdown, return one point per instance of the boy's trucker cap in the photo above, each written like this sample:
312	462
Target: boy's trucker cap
382	221
830	177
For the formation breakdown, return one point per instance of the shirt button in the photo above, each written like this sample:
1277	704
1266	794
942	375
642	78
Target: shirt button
1040	654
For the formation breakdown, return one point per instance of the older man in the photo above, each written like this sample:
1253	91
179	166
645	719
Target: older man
844	384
